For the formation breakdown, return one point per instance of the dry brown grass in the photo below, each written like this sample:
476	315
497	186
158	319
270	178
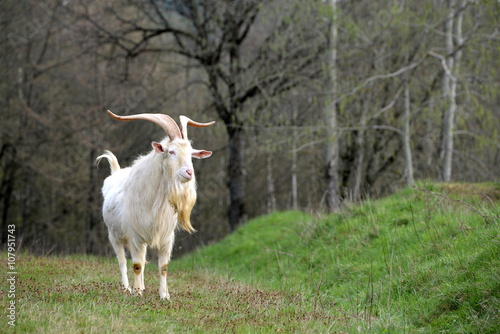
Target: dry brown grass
83	295
481	191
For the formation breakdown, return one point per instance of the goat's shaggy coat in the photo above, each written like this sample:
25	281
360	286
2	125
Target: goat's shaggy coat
144	203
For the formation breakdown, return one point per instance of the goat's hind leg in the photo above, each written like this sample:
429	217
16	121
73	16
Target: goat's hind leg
138	253
119	248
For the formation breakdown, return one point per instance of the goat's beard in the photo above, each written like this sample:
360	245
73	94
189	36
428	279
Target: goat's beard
183	201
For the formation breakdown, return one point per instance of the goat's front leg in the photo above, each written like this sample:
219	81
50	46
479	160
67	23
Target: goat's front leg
138	264
163	259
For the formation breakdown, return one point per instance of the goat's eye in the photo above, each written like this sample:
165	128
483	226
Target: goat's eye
171	152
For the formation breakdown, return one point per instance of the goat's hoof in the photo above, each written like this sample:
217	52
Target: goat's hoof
126	289
165	297
138	292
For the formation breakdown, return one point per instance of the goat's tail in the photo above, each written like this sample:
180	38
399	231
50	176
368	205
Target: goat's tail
113	162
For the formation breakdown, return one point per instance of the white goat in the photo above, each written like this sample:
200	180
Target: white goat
144	203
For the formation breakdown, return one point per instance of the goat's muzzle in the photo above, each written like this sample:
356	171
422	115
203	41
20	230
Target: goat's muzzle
186	174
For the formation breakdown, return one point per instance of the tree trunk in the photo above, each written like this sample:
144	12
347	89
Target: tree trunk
236	175
332	133
271	196
447	126
295	202
453	30
430	148
407	137
91	198
360	154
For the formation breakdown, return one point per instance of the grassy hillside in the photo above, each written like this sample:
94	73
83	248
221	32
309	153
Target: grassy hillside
425	261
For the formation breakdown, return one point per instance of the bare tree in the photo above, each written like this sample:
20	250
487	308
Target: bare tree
407	136
240	62
454	41
332	133
43	181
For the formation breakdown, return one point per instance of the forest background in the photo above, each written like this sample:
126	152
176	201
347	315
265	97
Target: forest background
317	103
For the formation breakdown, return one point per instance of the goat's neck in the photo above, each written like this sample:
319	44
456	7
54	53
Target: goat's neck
148	178
155	184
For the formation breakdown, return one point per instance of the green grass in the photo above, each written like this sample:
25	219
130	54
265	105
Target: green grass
424	260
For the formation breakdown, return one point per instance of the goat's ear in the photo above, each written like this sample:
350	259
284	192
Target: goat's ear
157	147
201	154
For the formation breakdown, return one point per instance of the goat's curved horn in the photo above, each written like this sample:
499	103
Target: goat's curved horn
185	121
166	122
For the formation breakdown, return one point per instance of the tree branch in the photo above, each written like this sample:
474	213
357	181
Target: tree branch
443	63
381	76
